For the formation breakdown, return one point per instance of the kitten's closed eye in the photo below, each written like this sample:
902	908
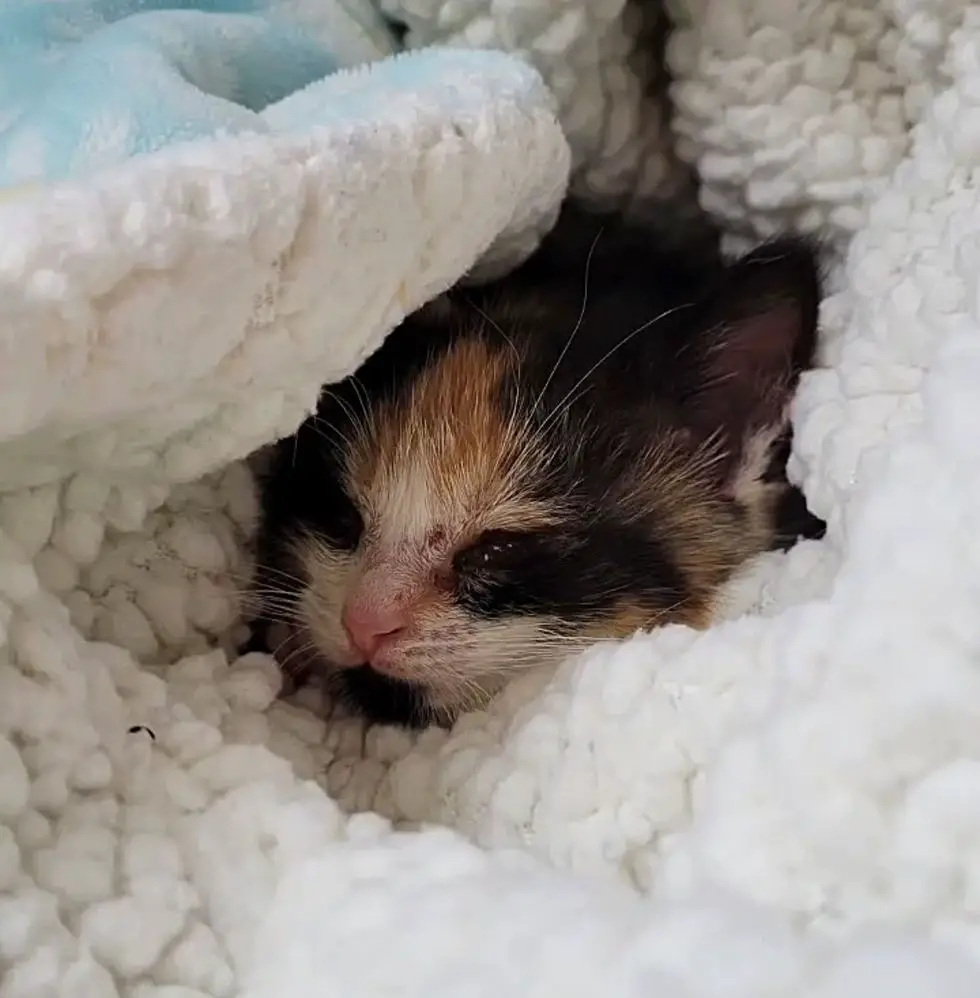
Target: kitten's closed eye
495	551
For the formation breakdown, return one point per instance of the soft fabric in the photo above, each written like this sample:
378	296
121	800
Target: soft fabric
176	312
88	83
599	58
797	114
786	805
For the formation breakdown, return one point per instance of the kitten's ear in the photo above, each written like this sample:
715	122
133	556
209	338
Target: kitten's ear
758	333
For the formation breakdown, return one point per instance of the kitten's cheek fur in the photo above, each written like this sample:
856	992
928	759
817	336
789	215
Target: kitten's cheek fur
321	621
321	602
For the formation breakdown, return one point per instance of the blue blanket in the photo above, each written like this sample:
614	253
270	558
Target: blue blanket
87	83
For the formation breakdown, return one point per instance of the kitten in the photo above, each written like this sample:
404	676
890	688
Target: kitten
587	447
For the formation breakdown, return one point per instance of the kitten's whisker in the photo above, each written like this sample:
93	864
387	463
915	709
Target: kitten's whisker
262	569
271	588
294	661
577	326
561	407
489	319
359	423
278	614
361	392
321	427
334	394
273	611
280	618
271	594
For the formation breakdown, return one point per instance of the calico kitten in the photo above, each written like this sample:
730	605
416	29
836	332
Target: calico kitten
589	446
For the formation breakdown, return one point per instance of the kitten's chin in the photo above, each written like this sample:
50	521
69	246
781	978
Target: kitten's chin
386	699
418	690
381	699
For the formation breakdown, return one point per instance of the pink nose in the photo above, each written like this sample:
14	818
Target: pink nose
369	628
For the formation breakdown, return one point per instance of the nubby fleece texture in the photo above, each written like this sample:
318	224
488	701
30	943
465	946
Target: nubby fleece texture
785	805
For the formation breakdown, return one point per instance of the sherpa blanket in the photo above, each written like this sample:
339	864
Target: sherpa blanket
786	805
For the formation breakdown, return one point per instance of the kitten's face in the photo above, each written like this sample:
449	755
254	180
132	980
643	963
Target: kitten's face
485	516
471	547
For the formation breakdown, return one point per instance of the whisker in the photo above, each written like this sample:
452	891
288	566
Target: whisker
578	323
279	611
288	664
334	394
281	618
561	406
492	322
271	611
321	427
262	568
361	392
269	593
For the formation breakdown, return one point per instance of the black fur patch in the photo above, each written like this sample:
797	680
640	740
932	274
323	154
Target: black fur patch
383	699
574	573
621	344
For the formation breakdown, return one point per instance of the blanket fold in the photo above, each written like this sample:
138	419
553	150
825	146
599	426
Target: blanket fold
207	266
85	84
784	806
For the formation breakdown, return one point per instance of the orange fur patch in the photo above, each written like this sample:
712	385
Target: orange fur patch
447	458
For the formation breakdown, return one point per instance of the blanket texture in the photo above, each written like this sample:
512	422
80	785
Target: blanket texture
785	805
602	62
88	83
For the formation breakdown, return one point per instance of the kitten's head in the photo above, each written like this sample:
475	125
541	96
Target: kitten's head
505	497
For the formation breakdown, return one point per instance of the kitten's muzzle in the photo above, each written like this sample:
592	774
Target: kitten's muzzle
370	628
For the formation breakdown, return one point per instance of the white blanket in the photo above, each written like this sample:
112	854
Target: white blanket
786	805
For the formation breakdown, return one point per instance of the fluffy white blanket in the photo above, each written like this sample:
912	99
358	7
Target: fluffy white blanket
786	805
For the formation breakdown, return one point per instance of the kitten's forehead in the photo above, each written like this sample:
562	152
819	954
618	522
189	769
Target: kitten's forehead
446	456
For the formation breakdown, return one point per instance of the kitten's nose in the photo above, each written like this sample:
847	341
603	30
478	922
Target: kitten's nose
368	628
